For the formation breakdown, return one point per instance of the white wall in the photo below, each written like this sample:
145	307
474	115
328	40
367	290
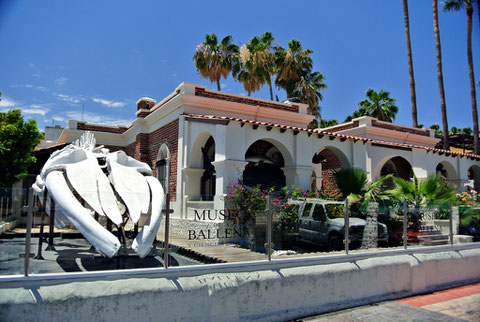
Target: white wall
274	291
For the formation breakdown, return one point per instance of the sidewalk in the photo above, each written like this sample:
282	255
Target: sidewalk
456	304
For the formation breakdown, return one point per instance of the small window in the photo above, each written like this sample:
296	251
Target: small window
319	213
162	173
306	210
335	210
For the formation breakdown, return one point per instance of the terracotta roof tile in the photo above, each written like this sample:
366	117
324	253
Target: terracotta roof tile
356	138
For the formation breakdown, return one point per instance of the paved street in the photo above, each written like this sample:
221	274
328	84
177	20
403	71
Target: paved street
456	304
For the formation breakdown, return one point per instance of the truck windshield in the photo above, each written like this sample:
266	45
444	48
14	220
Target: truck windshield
338	211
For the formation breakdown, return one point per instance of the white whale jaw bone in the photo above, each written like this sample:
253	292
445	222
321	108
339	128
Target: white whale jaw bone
103	240
75	169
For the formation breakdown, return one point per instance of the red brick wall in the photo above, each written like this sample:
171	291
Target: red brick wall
400	128
146	146
99	128
344	127
404	169
245	100
167	134
329	167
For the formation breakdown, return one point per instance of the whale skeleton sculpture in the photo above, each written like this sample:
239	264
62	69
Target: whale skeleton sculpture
83	180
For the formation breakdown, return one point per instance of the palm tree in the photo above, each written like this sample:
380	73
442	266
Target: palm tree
291	65
246	70
468	4
309	88
267	56
438	48
410	64
433	189
355	187
327	123
379	105
214	60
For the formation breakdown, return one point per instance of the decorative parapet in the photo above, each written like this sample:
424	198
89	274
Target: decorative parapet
290	107
400	128
101	128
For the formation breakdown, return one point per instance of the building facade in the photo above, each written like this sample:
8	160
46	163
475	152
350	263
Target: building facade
198	141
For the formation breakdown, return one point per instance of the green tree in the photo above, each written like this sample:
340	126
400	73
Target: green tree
309	88
246	70
18	139
467	131
410	64
359	191
214	60
327	123
267	59
455	5
454	130
438	50
291	65
423	193
379	105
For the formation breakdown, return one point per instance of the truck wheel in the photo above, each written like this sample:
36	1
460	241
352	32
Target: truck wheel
335	242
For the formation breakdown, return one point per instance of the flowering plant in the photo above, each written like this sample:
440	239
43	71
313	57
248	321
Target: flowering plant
467	196
245	202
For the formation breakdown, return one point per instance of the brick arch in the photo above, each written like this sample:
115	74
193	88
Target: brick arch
265	165
332	160
396	165
446	170
474	177
287	157
195	156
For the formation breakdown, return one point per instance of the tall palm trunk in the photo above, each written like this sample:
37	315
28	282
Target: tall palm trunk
410	64
473	94
443	107
269	82
218	85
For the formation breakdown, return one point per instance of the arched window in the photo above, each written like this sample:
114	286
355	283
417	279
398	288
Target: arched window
207	181
163	167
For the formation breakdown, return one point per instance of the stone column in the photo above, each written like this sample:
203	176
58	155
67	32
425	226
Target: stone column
298	176
226	171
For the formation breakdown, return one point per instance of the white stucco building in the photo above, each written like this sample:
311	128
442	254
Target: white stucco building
257	140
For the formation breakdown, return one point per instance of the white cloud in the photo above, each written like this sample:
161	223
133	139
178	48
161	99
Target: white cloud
109	103
68	98
95	118
38	88
60	81
7	102
36	71
37	111
163	61
223	85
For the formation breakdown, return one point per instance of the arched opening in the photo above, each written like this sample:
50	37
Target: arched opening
398	167
207	181
473	178
163	167
265	163
446	171
326	163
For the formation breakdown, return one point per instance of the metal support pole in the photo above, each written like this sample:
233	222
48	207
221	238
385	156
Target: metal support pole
404	236
42	223
450	219
269	228
50	246
347	227
167	211
28	236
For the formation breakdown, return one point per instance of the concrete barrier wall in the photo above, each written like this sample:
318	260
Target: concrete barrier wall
268	291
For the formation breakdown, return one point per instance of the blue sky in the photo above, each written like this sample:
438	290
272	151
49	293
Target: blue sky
59	57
